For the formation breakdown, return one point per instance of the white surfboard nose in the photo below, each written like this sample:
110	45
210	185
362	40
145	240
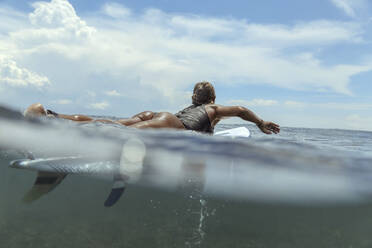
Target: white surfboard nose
239	132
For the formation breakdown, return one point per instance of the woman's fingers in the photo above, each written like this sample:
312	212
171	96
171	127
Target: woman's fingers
269	128
273	127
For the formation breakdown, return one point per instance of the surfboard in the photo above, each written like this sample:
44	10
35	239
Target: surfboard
241	132
19	133
52	171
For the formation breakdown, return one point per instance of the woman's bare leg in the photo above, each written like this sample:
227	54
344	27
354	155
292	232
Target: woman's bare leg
75	117
145	119
143	116
160	120
38	109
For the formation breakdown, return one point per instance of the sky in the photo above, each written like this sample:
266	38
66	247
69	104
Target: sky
297	63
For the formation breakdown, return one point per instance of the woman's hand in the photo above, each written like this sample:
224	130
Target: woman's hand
268	127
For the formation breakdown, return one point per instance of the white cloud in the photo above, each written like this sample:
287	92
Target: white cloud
253	103
345	106
99	105
116	10
59	14
11	19
295	104
351	7
345	5
301	34
353	106
314	32
63	101
13	75
163	49
113	93
54	21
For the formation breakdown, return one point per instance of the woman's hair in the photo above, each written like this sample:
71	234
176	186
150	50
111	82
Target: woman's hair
203	93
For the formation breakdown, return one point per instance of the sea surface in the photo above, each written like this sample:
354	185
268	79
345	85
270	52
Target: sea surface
301	188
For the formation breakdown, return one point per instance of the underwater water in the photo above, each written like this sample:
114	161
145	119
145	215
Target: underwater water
301	188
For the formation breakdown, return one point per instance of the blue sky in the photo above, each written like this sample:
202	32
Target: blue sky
299	63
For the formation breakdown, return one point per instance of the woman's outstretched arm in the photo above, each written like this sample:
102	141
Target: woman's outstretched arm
247	115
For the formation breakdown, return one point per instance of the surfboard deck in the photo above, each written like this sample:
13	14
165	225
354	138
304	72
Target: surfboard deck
241	132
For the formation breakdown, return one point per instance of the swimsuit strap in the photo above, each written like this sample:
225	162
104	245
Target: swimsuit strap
50	112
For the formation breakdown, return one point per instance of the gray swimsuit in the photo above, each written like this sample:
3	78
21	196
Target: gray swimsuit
195	118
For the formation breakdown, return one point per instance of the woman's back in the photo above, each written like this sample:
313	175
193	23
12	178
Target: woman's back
195	118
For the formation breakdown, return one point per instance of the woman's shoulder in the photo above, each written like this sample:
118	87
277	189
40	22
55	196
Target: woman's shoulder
212	105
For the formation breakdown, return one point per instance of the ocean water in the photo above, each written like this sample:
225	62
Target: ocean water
301	188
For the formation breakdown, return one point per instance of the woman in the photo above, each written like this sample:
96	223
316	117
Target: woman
201	116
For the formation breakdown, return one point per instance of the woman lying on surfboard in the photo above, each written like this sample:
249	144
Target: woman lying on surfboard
201	116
